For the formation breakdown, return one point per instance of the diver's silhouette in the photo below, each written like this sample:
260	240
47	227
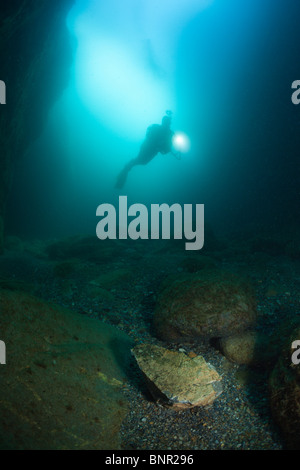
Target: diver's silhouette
158	140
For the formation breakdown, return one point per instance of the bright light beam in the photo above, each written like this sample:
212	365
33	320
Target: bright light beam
125	67
181	142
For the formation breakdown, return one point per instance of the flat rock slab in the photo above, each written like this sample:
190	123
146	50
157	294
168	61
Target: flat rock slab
175	379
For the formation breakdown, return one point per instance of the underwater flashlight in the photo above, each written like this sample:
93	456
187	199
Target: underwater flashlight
181	142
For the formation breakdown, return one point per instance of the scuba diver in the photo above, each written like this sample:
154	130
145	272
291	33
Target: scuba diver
158	140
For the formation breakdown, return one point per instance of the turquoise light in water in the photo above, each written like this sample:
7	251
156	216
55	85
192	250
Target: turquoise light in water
181	142
125	64
114	86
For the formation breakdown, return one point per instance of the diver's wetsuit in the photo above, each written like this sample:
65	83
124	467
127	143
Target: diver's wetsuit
158	140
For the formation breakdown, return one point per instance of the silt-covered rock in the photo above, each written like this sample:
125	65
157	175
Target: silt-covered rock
249	348
61	385
204	305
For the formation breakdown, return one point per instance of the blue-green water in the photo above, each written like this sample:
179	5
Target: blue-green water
225	69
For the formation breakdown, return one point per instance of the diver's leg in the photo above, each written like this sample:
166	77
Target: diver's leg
146	154
121	180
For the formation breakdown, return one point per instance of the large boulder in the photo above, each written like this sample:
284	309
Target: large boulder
204	305
61	386
250	348
285	393
175	379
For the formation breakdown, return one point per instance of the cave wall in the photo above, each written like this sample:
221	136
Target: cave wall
35	59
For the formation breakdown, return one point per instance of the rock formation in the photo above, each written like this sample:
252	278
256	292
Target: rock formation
61	385
35	58
204	305
250	348
176	380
